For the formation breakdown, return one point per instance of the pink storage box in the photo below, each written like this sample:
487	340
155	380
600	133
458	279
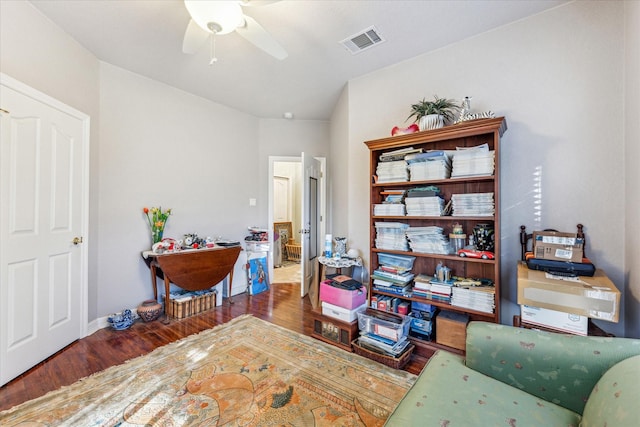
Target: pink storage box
342	297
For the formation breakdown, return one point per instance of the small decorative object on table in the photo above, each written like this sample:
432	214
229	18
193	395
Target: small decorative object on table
121	321
149	310
340	247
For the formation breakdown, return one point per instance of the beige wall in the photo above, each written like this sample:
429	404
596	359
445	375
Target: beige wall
632	171
558	78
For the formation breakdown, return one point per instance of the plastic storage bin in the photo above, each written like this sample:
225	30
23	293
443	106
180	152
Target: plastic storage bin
400	262
383	328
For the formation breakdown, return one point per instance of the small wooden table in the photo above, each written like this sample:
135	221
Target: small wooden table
193	270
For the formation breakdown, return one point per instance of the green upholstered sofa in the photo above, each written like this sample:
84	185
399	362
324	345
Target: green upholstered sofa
520	377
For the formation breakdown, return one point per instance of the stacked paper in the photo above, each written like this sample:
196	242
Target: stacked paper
391	236
475	161
389	209
424	206
430	165
428	240
473	204
395	171
480	298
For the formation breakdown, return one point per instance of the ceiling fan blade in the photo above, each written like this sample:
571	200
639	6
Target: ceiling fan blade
194	38
257	35
257	2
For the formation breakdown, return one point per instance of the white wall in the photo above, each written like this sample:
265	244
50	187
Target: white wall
632	171
38	53
287	138
558	79
338	189
163	147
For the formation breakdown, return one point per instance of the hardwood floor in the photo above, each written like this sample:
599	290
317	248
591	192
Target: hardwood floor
281	305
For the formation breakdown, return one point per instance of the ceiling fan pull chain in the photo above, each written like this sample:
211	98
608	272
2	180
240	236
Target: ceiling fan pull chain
213	59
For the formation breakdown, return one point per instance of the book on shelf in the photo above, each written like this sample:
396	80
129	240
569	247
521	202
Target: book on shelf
423	278
398	154
393	289
404	277
393	191
387	281
442	288
421	286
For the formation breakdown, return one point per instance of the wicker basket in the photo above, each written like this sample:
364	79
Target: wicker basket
189	307
397	363
294	251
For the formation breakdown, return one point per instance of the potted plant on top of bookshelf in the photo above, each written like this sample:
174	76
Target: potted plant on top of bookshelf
433	114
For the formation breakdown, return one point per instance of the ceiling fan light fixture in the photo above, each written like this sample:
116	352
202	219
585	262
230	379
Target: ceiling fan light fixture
219	17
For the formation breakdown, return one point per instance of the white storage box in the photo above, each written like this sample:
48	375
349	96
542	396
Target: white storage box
257	246
557	320
341	313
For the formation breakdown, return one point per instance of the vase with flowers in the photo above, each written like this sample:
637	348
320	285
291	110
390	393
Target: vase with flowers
157	219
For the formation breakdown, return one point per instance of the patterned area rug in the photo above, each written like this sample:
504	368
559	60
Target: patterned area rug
244	373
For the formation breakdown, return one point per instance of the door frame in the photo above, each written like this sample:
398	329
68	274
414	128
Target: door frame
323	202
30	92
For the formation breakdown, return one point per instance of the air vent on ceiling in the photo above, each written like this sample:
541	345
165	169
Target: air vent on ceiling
363	40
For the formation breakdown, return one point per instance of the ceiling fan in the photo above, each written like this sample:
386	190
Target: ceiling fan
210	18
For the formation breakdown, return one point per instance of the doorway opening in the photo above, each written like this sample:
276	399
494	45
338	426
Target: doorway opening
292	181
287	216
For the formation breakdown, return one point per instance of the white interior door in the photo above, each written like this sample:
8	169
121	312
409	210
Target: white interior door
43	183
281	199
309	234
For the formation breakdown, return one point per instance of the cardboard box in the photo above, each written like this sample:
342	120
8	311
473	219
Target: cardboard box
341	313
557	246
595	297
451	329
556	320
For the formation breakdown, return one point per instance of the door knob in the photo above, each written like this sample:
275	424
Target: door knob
76	240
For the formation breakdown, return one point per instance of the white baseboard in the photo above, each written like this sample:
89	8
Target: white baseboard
101	322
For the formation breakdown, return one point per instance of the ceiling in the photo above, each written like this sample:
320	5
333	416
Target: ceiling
145	37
